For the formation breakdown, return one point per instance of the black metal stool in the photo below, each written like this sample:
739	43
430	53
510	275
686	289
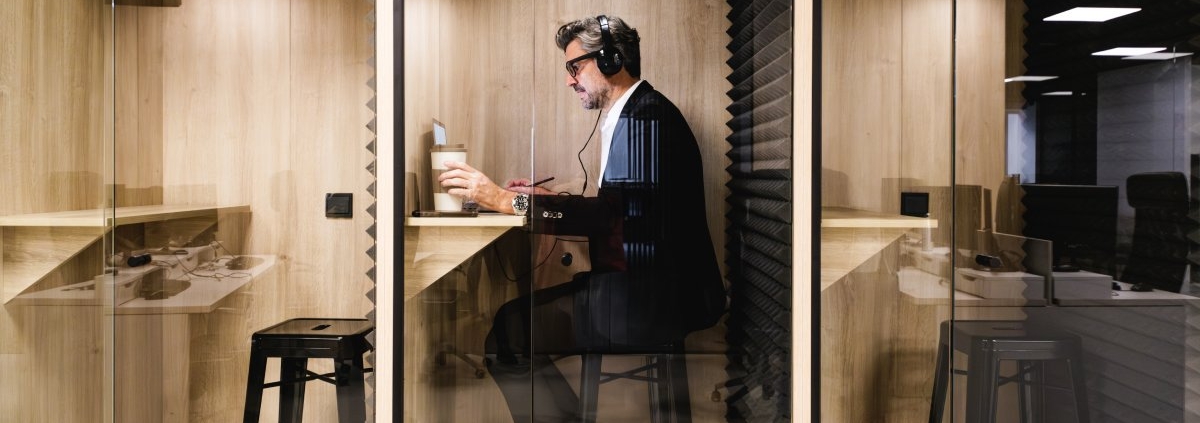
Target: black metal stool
297	340
666	370
986	344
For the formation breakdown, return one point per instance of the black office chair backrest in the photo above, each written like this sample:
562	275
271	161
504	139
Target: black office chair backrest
1158	255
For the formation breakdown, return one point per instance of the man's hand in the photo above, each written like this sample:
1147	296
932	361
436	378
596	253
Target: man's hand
522	185
464	181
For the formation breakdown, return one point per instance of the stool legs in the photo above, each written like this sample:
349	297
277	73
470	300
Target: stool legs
981	383
348	374
941	382
660	396
350	392
680	394
291	395
1079	386
589	388
254	385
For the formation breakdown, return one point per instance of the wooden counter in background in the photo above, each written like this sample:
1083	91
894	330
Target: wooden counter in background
36	244
851	238
861	320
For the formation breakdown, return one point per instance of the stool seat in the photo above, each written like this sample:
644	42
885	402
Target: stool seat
294	342
986	343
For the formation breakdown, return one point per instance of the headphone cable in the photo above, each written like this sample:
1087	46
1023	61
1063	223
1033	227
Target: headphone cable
579	155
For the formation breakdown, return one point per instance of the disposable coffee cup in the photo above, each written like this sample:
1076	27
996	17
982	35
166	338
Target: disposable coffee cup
443	201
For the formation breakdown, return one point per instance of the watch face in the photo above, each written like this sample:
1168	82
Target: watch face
520	204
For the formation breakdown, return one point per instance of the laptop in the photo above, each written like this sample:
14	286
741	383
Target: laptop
439	133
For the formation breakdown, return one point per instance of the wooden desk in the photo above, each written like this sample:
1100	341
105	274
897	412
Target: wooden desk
435	322
1137	352
860	255
851	238
209	285
433	246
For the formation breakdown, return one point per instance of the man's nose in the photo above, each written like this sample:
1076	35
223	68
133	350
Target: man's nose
571	81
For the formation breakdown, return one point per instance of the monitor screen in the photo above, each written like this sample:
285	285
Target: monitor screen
1080	221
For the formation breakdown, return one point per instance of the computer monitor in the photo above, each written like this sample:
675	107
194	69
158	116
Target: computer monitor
1080	220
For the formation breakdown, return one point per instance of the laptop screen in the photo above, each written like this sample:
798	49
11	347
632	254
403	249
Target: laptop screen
439	133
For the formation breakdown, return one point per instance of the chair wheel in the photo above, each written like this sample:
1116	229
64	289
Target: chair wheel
715	396
479	373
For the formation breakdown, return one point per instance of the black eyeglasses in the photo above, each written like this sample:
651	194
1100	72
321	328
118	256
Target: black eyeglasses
573	69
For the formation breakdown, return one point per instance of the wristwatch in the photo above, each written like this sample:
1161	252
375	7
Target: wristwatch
520	204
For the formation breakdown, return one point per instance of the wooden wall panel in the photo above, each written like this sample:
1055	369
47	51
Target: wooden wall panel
926	93
979	109
139	112
861	103
52	107
902	93
55	114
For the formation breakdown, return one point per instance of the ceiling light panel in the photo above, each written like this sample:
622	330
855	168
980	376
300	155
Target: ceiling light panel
1029	78
1128	51
1157	56
1091	14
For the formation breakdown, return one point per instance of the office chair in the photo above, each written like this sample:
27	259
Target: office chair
1158	254
451	301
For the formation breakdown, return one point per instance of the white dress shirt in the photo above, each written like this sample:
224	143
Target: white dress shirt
612	115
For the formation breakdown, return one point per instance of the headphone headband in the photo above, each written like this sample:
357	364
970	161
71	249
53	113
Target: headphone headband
609	60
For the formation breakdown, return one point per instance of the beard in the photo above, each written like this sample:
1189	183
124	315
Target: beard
593	99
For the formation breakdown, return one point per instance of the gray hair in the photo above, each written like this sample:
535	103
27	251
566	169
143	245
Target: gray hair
587	31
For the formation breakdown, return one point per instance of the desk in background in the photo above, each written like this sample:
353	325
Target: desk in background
1135	343
1136	352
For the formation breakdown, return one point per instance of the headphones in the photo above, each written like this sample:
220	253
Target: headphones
609	61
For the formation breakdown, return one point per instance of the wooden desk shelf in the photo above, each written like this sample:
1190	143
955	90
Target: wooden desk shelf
483	220
851	238
840	217
34	245
106	218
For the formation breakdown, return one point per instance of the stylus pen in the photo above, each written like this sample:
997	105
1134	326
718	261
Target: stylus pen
542	181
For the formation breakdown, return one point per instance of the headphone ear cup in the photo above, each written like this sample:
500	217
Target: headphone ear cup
609	64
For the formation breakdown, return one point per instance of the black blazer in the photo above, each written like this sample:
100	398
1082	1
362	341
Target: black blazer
652	257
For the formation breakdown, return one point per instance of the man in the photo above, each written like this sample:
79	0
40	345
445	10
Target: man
654	275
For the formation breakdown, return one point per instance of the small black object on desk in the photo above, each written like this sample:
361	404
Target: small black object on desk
1141	287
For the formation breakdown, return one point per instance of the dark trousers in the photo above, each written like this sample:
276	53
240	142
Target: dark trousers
525	334
595	313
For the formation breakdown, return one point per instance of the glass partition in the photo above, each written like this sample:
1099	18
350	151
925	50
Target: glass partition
628	300
1077	117
626	293
893	212
244	195
56	156
468	79
181	176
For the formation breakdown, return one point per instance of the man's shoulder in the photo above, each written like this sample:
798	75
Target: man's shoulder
646	99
